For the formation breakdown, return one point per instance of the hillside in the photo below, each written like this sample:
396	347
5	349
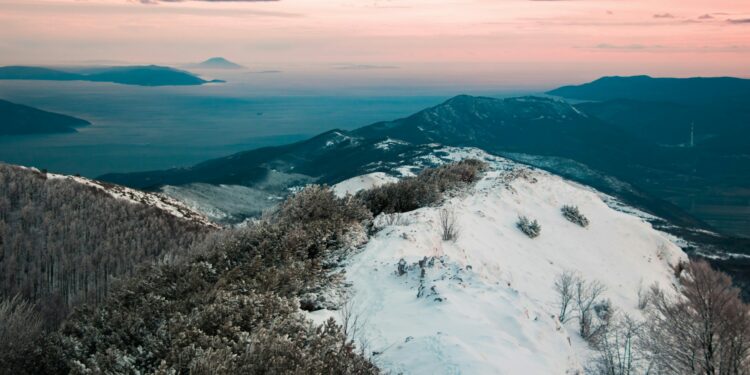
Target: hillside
420	271
20	119
680	90
486	303
64	240
525	126
146	75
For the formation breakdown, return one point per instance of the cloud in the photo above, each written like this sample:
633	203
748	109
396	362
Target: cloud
362	67
664	15
739	21
706	17
614	46
205	1
626	47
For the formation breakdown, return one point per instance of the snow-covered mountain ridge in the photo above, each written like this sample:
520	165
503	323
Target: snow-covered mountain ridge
162	202
485	303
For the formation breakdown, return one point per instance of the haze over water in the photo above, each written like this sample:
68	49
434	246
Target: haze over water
143	128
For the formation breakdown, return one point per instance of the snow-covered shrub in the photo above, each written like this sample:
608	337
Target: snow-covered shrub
448	225
572	214
232	309
427	188
20	328
405	195
643	297
529	227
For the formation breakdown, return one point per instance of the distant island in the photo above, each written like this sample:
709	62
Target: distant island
144	75
16	119
216	63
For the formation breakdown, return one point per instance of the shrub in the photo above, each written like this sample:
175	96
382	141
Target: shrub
427	188
572	214
528	227
448	225
232	309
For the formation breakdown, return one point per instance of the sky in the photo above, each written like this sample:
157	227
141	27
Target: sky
514	43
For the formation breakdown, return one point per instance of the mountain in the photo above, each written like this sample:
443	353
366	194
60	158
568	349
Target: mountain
698	125
684	187
146	75
319	285
681	90
527	125
216	63
21	119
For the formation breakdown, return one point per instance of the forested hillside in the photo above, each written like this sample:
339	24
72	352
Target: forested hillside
63	243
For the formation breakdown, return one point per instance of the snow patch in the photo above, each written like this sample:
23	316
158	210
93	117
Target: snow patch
368	181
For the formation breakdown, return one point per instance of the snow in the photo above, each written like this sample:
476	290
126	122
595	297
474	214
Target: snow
368	181
386	144
485	304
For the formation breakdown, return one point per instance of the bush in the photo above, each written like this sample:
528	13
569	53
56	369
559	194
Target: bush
233	308
528	227
572	214
427	188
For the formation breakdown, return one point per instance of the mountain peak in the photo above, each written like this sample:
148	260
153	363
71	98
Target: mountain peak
218	63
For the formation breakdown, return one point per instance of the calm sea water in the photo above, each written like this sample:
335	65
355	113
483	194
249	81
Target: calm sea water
141	128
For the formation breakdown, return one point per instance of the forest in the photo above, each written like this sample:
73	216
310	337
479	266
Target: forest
63	243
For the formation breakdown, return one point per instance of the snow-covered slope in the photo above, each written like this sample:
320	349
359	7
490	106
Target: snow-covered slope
364	182
485	304
163	202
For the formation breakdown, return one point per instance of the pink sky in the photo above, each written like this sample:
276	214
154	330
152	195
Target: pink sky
480	42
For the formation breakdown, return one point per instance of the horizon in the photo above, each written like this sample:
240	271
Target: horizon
406	43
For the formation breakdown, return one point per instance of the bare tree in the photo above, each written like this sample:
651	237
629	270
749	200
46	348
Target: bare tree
448	225
564	284
703	328
586	295
620	349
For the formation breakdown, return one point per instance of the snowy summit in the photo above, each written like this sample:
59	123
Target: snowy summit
486	302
